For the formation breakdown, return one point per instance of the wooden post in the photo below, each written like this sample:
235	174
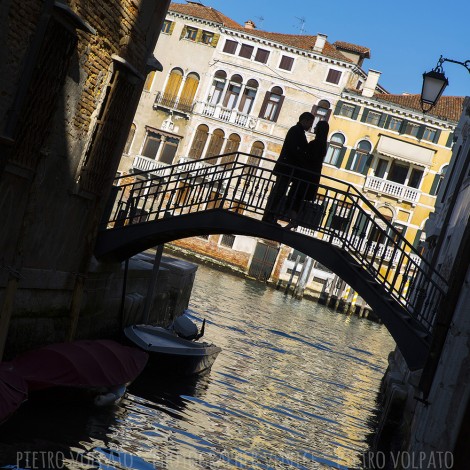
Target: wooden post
152	282
294	271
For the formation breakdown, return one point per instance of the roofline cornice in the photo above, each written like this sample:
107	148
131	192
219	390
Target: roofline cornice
400	110
196	19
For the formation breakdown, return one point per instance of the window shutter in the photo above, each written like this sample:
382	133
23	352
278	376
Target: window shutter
435	183
403	126
383	118
341	157
437	136
183	33
417	238
199	35
387	121
365	170
364	115
264	105
360	225
450	139
420	133
172	27
350	159
355	112
278	110
327	115
215	40
338	107
331	214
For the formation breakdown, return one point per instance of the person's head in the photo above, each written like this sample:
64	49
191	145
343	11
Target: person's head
321	130
306	120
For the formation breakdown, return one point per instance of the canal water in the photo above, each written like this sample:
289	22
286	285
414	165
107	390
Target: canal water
293	388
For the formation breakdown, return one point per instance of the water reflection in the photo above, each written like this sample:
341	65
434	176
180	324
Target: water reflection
293	387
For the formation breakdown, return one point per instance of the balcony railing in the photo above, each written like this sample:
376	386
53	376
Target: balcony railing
142	163
173	102
396	190
233	116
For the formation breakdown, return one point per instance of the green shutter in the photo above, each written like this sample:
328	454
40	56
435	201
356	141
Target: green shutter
364	114
340	157
350	159
437	136
404	123
356	112
387	121
331	214
450	139
360	224
420	133
338	107
417	238
435	184
383	119
367	165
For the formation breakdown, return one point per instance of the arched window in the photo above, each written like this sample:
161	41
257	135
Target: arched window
272	104
335	153
438	179
172	87
130	138
218	85
360	158
321	112
186	100
248	98
199	142
149	80
233	143
233	92
257	150
216	143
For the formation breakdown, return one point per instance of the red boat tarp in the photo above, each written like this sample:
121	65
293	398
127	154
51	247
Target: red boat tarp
93	363
13	391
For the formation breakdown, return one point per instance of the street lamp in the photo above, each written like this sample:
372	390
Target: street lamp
434	83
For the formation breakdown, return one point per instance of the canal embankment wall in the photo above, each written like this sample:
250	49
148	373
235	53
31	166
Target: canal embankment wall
113	298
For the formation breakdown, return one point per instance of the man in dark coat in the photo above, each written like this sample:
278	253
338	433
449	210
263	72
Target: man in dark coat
291	158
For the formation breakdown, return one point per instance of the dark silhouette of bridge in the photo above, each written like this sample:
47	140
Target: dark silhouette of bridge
341	229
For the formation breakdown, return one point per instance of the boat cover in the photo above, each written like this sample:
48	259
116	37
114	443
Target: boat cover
185	327
93	363
13	391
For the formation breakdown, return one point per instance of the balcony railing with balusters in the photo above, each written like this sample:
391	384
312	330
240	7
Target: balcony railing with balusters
396	190
233	116
173	102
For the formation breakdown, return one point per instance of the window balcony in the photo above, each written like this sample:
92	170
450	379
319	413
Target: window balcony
232	116
396	190
164	100
142	163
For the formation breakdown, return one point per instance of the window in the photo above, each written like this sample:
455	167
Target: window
437	183
361	158
166	27
429	134
411	129
151	145
347	110
230	46
216	142
172	88
190	33
248	97
286	63
398	172
381	168
130	138
395	124
207	37
233	92
233	143
321	112
333	76
218	85
334	152
373	118
262	55
415	178
186	100
199	142
227	240
257	149
272	104
246	51
149	80
292	256
170	145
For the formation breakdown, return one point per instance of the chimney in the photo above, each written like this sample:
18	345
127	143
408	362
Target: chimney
320	42
250	25
371	83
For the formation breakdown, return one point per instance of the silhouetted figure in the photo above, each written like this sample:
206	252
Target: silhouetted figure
306	190
293	154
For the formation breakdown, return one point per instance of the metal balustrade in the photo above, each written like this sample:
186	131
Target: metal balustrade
345	218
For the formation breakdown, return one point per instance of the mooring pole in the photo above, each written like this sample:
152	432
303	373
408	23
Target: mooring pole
152	282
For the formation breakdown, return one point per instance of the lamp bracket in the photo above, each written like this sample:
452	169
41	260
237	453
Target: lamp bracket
441	60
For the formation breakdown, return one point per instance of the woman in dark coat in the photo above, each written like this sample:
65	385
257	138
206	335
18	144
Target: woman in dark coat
307	190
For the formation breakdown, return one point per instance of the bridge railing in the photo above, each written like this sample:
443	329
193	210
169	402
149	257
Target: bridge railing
340	215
